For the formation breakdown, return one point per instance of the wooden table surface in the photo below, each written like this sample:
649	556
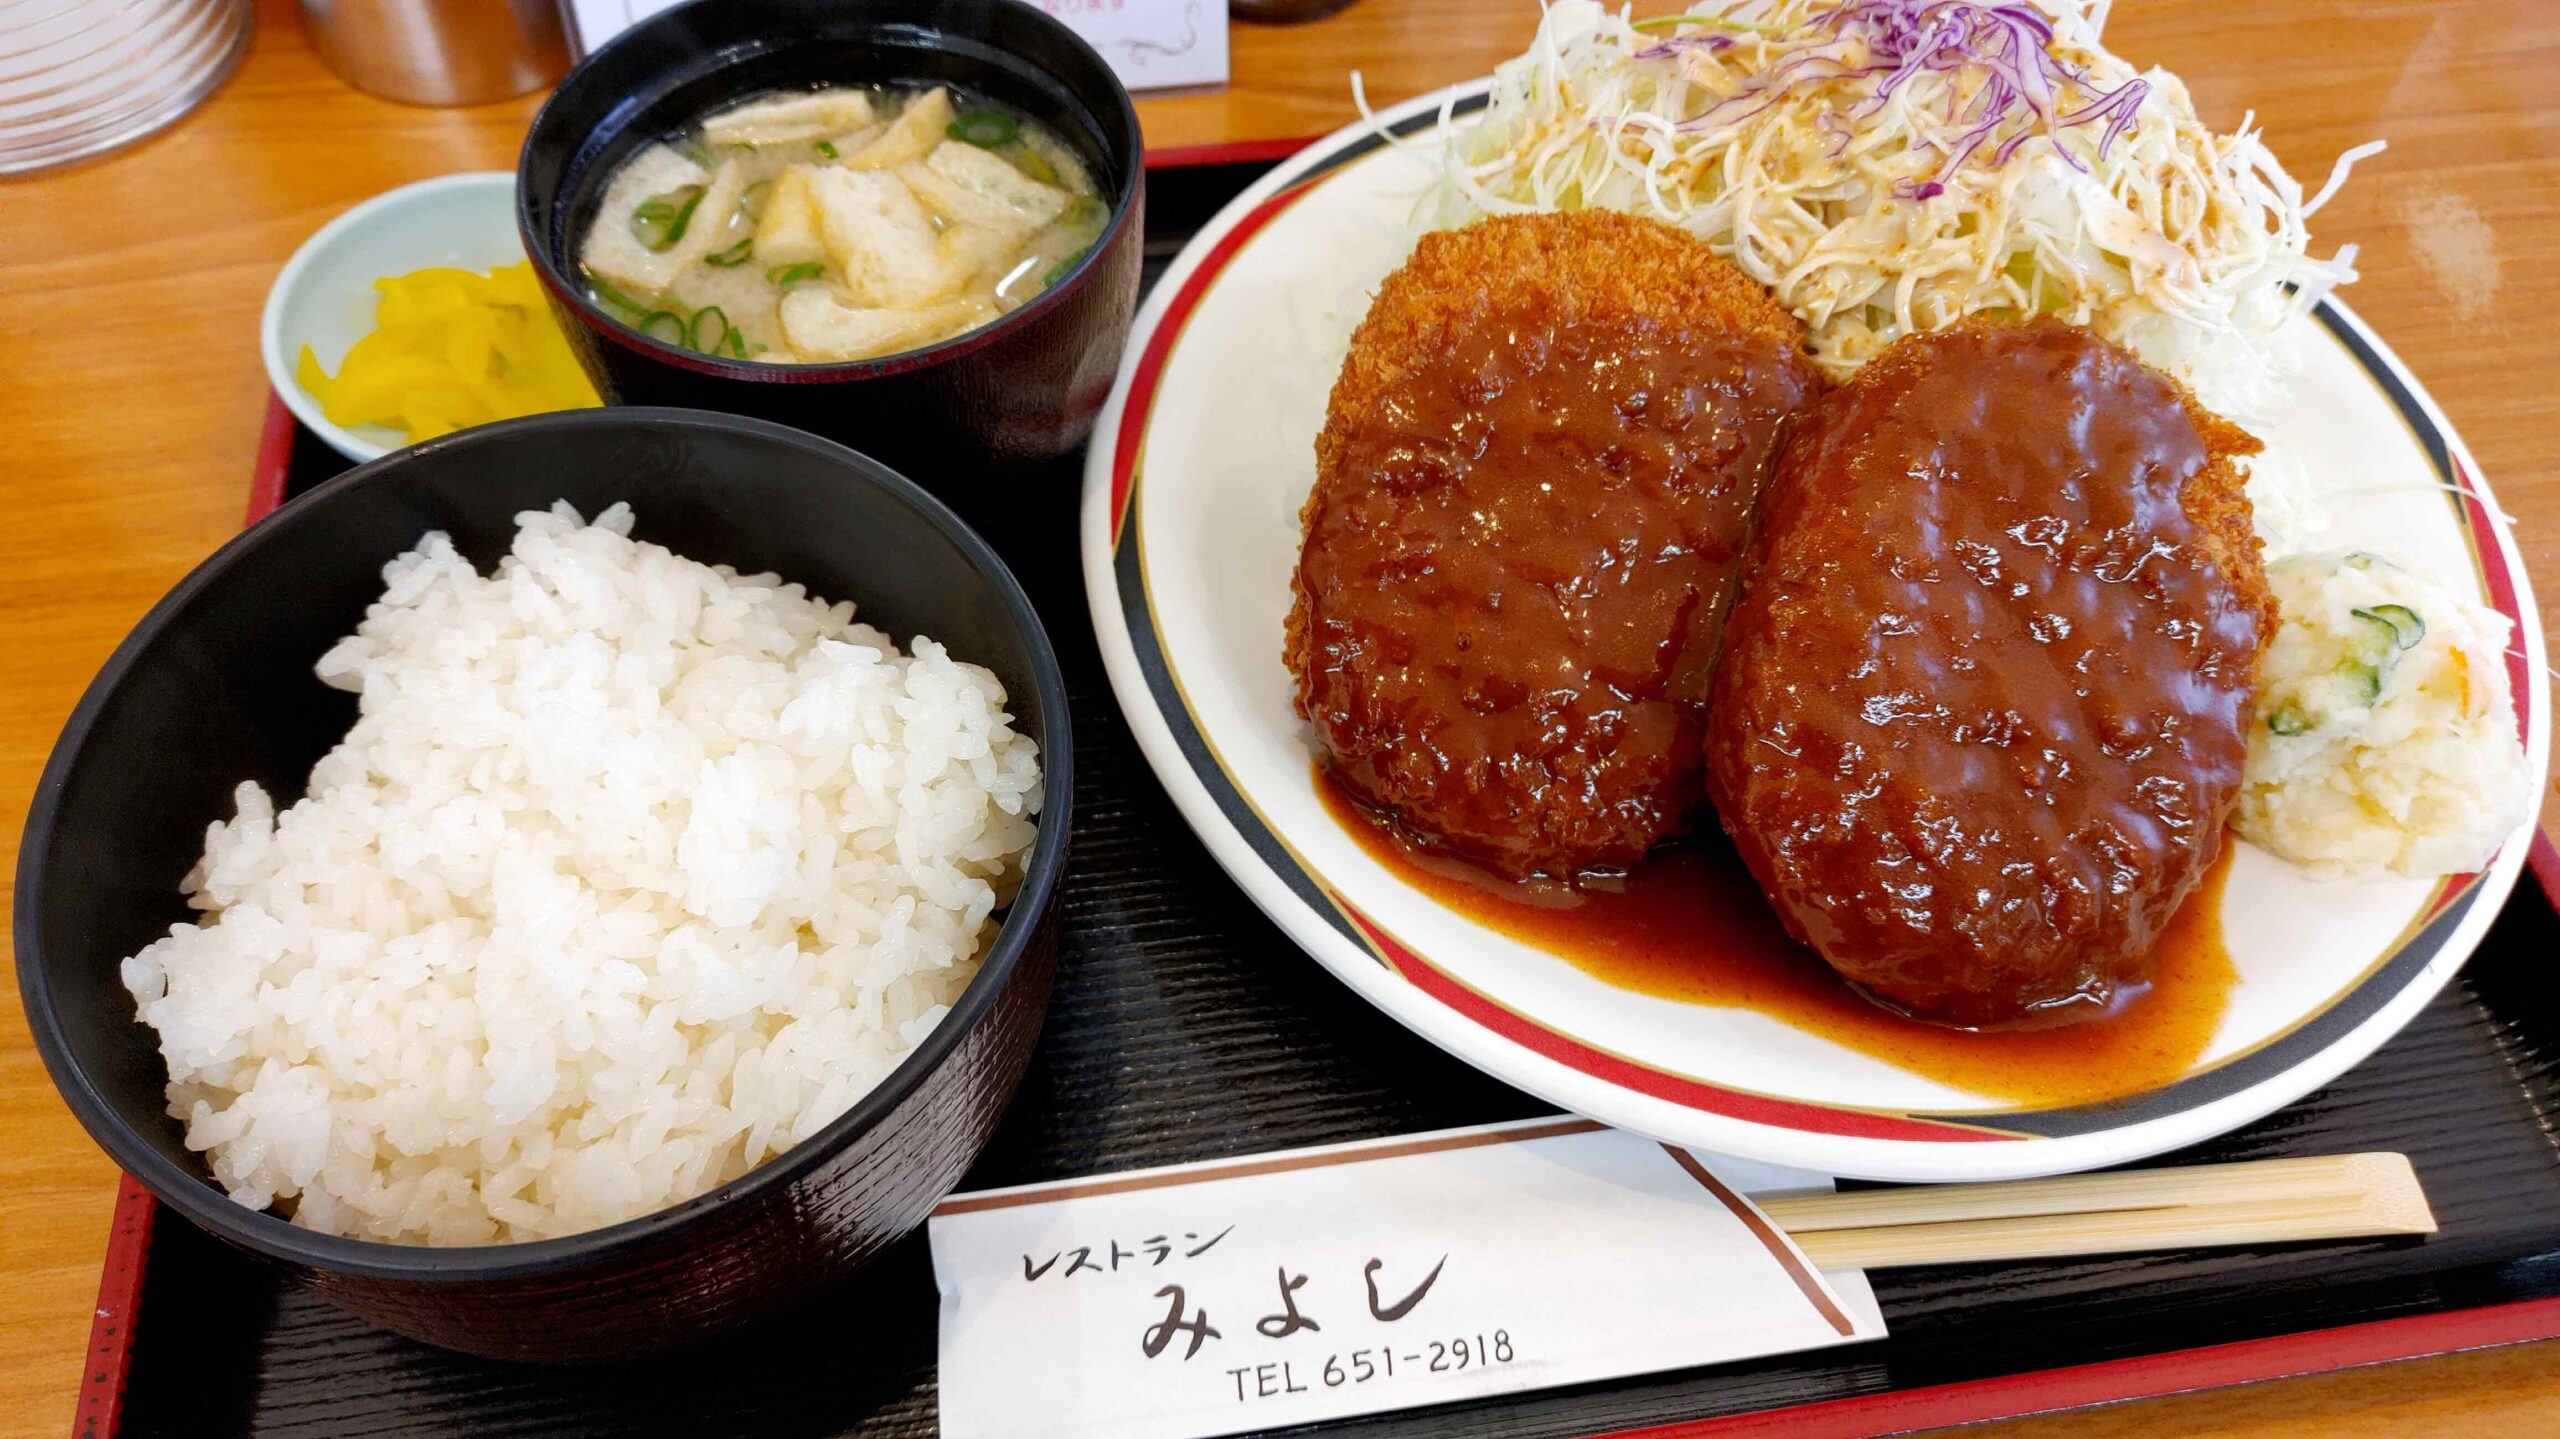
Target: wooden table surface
133	397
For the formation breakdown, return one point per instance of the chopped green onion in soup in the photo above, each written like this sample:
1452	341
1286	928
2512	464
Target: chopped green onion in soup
985	129
660	220
695	332
610	295
1032	163
1059	270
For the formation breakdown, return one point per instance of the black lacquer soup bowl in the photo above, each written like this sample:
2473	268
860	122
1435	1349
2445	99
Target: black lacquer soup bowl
985	406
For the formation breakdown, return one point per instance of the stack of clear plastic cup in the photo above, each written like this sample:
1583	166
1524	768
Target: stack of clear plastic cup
80	77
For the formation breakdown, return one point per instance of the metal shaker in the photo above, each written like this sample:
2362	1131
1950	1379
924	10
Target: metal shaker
440	52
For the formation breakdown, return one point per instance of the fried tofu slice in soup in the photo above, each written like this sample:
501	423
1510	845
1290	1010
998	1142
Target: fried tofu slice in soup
881	238
1981	708
819	326
784	118
613	251
908	238
924	124
966	185
787	226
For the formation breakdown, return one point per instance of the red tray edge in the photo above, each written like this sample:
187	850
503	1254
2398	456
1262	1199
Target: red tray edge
2150	1376
1227	152
110	1354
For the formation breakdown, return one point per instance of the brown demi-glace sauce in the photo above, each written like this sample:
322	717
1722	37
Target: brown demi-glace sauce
1983	704
1688	924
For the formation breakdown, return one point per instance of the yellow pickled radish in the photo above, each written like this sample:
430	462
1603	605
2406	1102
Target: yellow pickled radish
450	349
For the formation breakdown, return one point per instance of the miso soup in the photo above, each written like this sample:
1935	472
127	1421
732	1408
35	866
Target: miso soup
844	223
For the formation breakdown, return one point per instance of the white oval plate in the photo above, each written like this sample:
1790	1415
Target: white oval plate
1190	529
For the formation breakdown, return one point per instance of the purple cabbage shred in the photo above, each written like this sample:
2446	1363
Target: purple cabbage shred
1904	38
1665	49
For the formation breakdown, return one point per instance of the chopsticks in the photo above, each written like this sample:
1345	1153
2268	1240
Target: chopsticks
2261	1202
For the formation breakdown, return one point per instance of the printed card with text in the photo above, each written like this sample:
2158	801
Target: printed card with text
1149	44
1283	1289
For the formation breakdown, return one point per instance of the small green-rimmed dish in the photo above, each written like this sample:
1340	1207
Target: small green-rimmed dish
324	297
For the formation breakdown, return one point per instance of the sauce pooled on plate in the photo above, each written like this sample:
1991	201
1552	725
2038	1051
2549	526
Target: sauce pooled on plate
1687	923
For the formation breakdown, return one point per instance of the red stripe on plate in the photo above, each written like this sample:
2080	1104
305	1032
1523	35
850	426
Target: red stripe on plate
1142	381
2502	597
1627	1074
119	1300
2448	889
2316	1351
2545	859
1230	152
2544	856
275	456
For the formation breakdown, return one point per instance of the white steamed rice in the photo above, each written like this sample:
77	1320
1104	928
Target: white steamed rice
632	873
2386	734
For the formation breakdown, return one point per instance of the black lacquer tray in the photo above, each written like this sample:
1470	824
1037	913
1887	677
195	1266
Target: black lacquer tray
1188	1027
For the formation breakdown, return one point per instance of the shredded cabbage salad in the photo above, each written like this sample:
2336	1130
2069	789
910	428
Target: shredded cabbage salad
1892	166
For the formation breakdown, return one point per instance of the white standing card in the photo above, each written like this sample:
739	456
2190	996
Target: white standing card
1315	1284
1150	44
593	22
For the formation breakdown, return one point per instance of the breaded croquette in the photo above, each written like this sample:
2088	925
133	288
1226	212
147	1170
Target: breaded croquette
1533	488
1981	708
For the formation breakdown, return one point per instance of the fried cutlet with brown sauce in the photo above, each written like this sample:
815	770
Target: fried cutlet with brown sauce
1532	494
1981	707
